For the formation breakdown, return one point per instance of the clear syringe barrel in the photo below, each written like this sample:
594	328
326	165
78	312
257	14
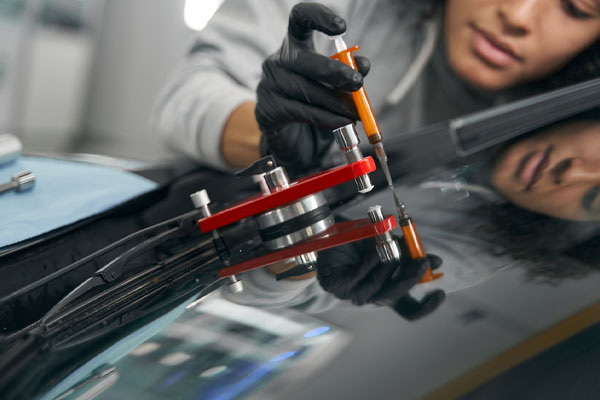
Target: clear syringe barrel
361	101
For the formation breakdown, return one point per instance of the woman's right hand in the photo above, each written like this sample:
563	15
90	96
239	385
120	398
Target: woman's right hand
301	96
354	272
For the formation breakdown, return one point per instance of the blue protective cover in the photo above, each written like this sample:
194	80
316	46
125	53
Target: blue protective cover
65	192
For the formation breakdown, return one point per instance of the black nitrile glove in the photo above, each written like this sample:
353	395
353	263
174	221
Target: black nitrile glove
301	96
353	272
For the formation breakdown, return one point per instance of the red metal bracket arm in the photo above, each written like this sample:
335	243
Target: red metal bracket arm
339	234
297	189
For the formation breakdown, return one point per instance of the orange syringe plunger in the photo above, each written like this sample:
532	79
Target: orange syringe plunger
361	101
415	247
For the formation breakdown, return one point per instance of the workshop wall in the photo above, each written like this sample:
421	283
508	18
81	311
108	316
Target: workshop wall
9	50
138	43
45	59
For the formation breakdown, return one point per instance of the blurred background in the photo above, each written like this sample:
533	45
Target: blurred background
83	75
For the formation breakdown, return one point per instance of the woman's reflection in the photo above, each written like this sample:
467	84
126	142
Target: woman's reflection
556	172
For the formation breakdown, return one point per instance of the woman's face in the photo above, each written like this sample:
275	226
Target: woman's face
555	173
496	44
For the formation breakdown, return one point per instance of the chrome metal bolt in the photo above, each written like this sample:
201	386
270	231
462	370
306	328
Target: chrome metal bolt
347	140
260	179
308	258
235	285
277	179
375	214
387	247
201	201
19	182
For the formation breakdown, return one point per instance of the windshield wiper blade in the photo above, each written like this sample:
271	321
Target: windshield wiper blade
106	312
142	280
110	272
177	221
115	268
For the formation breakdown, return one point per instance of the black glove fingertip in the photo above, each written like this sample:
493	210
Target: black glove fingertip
435	261
338	25
435	298
304	17
356	81
411	309
411	271
421	266
347	79
429	304
363	65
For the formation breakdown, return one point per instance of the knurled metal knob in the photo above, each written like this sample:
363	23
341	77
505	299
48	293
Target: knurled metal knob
201	200
387	247
347	140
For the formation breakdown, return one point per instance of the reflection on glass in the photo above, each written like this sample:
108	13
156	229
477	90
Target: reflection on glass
555	172
218	350
145	348
214	371
176	358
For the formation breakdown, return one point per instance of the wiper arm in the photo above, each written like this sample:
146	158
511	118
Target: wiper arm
134	297
110	272
115	269
178	221
129	286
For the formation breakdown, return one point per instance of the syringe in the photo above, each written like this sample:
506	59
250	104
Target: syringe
367	117
365	111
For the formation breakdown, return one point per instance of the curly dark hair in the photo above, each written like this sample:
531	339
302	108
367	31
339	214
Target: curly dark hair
550	250
585	66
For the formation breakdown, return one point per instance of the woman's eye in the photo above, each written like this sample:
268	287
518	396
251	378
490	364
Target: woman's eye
572	10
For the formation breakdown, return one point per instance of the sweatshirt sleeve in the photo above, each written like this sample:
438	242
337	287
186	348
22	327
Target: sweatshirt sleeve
220	72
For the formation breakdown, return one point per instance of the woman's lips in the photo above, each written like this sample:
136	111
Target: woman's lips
492	51
531	167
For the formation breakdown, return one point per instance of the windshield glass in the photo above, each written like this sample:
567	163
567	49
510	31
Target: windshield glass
215	348
210	199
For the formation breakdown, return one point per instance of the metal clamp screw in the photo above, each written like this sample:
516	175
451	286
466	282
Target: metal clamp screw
347	140
19	182
387	247
201	200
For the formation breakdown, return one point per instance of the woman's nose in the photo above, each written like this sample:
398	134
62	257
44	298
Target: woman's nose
519	16
576	170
